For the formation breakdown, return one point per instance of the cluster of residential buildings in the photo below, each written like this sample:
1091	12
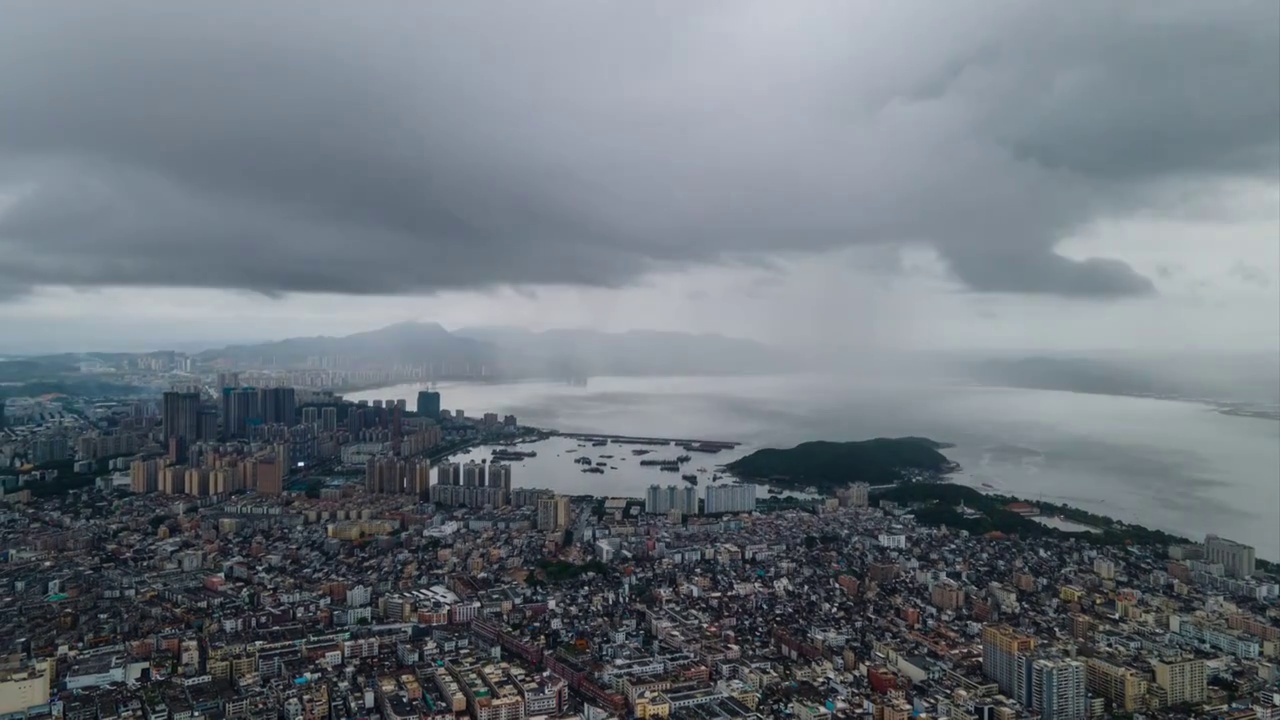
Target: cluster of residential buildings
474	484
314	372
263	551
361	602
680	500
224	437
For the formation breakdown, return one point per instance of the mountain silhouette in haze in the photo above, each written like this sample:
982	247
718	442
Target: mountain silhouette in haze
515	352
636	352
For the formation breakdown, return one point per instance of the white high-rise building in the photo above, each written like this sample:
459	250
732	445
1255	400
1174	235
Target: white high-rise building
1236	558
500	476
473	475
359	596
660	500
856	495
1054	688
448	473
1184	680
684	499
731	498
656	500
553	513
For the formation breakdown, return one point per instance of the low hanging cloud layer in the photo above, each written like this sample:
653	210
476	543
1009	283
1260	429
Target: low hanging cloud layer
416	147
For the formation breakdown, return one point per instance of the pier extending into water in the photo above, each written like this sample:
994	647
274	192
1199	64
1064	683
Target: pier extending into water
639	440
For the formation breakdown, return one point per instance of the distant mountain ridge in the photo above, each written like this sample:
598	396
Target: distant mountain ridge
635	352
402	343
517	352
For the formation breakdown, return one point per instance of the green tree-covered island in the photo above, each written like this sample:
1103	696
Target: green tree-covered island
829	466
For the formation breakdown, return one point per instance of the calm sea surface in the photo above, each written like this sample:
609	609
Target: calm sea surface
623	475
1176	466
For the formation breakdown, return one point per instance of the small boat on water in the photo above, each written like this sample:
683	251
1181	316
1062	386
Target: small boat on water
705	447
515	453
702	470
593	469
669	468
690	478
512	455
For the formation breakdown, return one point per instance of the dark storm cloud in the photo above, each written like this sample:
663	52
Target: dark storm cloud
408	147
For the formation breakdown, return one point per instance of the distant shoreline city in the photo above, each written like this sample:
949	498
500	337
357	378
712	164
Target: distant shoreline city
281	455
294	435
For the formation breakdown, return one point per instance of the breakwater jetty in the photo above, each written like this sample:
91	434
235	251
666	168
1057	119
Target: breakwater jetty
640	440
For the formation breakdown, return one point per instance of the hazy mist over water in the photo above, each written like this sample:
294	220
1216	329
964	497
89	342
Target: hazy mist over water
1176	466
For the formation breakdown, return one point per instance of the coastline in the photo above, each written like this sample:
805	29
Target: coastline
1248	413
1092	527
1222	407
1200	472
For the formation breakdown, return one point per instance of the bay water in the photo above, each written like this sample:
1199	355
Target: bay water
1177	466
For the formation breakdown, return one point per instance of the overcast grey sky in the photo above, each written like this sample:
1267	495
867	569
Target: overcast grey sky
1093	174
